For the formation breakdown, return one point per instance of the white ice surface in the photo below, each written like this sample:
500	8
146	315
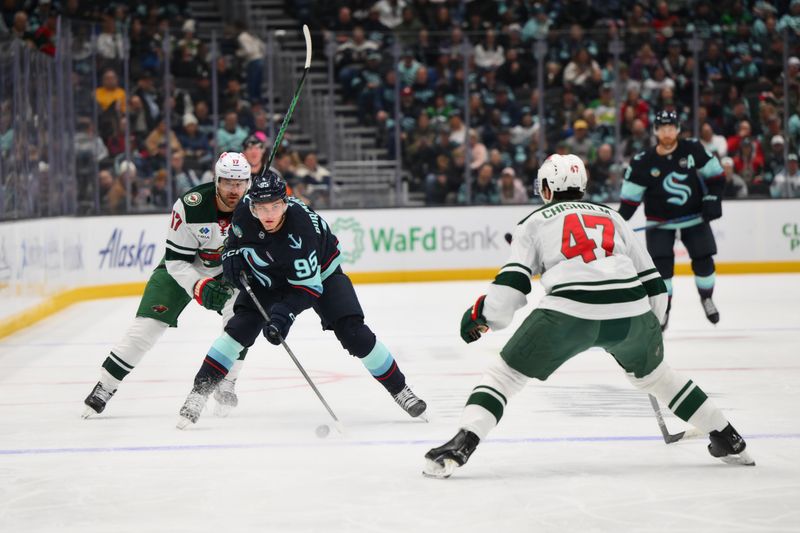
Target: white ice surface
580	452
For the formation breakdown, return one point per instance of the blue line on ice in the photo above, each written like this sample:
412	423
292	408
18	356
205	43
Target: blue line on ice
260	445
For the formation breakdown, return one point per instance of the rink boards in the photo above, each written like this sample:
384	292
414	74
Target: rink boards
48	264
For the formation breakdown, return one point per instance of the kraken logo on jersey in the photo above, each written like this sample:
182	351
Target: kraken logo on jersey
680	191
252	259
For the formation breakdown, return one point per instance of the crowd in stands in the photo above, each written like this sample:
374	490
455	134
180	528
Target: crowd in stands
133	173
740	111
740	85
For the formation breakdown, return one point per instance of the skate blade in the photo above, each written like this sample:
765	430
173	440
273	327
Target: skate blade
222	410
183	423
88	413
423	416
437	471
743	459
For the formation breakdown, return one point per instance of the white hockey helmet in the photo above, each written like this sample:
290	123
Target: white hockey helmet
562	173
232	166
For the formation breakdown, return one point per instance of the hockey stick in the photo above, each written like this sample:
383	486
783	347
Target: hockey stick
288	116
669	438
665	222
336	423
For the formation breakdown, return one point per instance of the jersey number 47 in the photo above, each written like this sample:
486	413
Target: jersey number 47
575	242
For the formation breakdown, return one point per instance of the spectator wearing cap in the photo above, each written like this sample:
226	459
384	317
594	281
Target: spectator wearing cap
713	143
580	143
408	67
511	189
146	91
773	158
231	135
484	190
188	42
253	149
195	143
251	51
735	186
110	93
787	182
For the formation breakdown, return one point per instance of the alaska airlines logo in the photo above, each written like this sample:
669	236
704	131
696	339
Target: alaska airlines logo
680	191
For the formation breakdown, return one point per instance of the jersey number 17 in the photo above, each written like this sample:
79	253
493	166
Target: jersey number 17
575	242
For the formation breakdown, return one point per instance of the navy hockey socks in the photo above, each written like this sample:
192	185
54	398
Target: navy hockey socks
218	362
384	369
705	285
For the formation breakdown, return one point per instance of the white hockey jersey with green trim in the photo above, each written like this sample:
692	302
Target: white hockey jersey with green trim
591	266
196	237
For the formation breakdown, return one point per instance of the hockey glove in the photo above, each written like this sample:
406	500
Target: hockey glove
712	207
281	319
473	323
212	294
233	263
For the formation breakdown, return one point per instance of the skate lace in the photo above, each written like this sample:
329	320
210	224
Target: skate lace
708	306
102	393
194	402
405	398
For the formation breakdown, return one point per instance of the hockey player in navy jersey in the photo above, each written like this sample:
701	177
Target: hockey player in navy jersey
292	259
601	290
678	179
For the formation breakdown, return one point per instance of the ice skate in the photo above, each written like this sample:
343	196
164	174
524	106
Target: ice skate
97	400
410	403
442	461
225	396
710	309
729	447
192	407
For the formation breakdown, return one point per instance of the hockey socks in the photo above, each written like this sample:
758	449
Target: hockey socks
218	362
705	285
488	400
384	369
140	338
683	397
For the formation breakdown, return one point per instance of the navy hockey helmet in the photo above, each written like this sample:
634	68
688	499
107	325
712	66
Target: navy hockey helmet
268	187
666	117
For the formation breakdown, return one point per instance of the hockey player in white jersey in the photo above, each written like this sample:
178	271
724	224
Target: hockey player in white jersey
601	290
191	269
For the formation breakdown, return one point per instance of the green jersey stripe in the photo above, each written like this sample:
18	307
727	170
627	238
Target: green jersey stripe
172	255
520	265
601	282
647	272
181	248
497	392
515	280
675	399
488	402
691	404
654	286
611	296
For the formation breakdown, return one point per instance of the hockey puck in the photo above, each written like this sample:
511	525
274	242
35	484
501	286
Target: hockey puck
323	430
507	237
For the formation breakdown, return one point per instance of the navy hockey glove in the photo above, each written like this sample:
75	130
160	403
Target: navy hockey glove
281	319
712	207
473	323
212	294
233	263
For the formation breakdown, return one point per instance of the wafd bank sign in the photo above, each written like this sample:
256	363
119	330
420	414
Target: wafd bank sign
424	239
